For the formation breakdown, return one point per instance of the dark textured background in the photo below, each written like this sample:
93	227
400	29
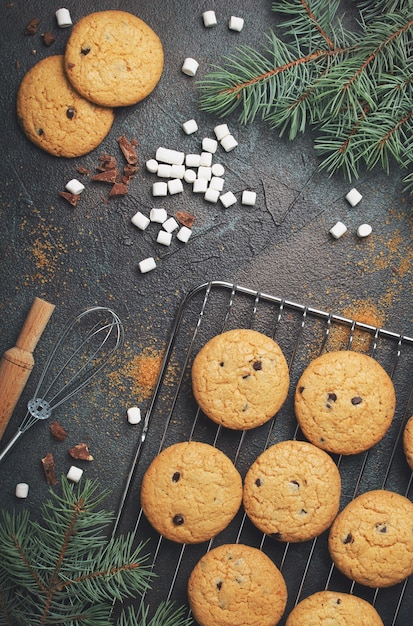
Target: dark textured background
78	257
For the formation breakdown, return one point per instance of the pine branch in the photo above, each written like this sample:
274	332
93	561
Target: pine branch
355	89
63	569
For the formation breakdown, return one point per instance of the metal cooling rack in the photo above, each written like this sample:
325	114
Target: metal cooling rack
303	333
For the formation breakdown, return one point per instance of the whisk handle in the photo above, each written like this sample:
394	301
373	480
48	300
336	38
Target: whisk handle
17	362
10	444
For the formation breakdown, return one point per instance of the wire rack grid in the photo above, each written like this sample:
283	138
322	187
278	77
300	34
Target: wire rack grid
173	415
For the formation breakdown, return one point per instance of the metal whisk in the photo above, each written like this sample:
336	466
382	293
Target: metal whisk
85	346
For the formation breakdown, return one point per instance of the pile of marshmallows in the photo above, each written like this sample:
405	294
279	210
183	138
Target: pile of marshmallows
173	168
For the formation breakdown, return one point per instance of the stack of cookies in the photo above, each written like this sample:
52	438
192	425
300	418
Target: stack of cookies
344	403
65	103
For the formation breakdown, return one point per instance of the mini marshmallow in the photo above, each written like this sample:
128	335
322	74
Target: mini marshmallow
218	169
190	66
164	238
209	145
353	197
160	189
190	176
228	199
74	474
173	157
22	490
217	183
211	195
221	131
200	185
158	216
170	225
177	171
147	265
140	220
236	23
164	170
63	18
184	234
175	186
193	160
75	186
338	230
364	230
206	159
190	127
228	143
152	166
204	172
248	197
210	19
134	415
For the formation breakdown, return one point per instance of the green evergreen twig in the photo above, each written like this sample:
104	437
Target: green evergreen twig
64	570
355	89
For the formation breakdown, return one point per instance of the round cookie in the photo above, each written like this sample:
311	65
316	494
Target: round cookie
292	491
113	58
240	378
408	442
236	584
344	402
371	540
331	607
190	492
54	116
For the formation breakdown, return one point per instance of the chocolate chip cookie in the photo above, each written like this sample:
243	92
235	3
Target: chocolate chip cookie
240	378
236	584
190	492
344	402
292	491
371	540
332	607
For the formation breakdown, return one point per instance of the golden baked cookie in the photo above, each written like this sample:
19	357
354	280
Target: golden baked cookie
54	116
240	378
331	607
292	491
408	442
344	402
371	540
190	492
236	584
113	58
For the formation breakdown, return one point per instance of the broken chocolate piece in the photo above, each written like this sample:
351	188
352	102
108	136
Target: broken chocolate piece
57	431
107	176
81	452
72	198
128	150
108	162
119	189
49	469
83	170
32	27
48	38
185	218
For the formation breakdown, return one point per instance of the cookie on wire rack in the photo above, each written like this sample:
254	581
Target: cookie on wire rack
292	491
236	584
240	378
190	492
371	540
332	607
344	402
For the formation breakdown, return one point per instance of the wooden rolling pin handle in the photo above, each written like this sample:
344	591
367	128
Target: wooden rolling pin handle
17	362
